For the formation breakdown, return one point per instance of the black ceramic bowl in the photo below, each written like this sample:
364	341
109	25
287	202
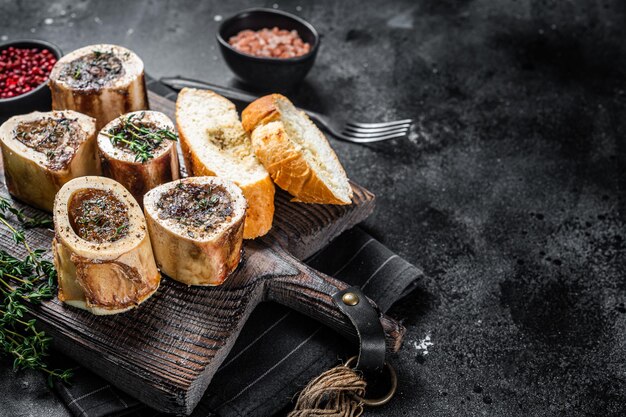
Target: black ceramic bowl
268	73
36	99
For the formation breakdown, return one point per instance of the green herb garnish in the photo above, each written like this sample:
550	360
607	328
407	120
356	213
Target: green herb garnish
26	221
119	230
208	202
139	138
204	203
24	282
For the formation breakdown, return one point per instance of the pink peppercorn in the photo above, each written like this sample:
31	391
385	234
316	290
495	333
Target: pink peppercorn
23	69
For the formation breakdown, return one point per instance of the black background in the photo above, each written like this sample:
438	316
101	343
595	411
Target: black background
508	192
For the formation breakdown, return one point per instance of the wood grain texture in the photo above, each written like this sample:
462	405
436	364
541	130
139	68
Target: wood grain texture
165	352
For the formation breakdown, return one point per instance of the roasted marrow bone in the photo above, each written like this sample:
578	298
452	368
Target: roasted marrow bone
43	151
102	81
196	228
102	249
138	150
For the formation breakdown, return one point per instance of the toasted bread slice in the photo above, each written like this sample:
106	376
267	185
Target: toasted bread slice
295	152
215	144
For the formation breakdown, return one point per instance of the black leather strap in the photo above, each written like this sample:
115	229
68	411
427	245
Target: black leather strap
366	320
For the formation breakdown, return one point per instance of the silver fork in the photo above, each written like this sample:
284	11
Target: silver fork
350	131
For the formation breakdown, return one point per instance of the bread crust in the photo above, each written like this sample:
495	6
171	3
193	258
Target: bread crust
288	168
260	194
261	112
282	159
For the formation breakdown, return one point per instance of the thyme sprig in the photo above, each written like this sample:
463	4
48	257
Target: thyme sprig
24	282
26	221
139	138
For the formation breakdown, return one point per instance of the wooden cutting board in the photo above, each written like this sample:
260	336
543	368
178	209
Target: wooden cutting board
165	352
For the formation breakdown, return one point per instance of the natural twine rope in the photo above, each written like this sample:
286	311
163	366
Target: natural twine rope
332	394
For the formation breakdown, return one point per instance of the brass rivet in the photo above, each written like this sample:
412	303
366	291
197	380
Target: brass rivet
350	299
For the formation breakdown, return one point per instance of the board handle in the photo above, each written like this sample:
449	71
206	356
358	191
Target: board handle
310	292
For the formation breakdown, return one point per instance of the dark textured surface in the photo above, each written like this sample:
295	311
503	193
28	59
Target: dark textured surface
509	192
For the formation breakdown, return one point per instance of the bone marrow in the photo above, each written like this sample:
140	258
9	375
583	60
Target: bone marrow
98	216
102	250
139	151
43	151
102	81
93	70
56	137
196	226
199	208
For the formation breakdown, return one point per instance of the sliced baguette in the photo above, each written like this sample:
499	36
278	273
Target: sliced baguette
215	144
295	152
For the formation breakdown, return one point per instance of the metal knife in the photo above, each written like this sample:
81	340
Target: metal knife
178	83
